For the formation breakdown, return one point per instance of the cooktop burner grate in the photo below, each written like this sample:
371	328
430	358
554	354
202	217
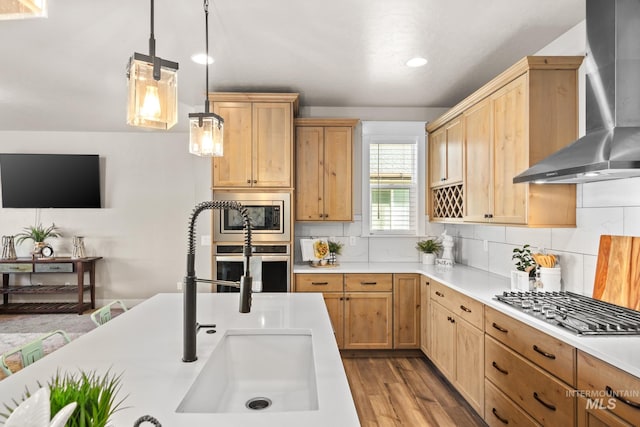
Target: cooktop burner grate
577	313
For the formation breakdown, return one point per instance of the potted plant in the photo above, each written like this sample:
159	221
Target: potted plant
429	249
38	234
525	269
335	248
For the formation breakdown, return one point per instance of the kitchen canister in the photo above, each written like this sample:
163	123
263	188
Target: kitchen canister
8	248
550	278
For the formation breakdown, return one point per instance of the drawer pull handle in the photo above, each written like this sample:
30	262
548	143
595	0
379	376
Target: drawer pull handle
320	283
502	420
369	283
463	308
545	404
502	371
610	392
440	294
498	327
54	268
544	353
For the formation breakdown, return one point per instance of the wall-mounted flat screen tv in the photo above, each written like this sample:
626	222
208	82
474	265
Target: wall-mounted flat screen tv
50	180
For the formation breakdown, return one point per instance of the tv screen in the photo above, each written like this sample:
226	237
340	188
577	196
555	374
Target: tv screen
50	180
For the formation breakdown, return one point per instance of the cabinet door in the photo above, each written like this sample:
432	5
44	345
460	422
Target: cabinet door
438	157
478	143
510	152
272	144
406	311
234	169
425	313
335	307
454	152
443	342
337	174
470	364
594	414
309	173
367	320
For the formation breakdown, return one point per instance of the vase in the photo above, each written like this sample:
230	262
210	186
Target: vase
550	278
333	258
8	248
78	247
429	259
37	249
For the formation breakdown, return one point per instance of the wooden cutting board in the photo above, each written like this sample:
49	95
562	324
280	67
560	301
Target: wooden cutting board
618	271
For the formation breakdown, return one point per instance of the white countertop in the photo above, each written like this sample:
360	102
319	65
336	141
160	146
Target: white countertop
145	345
619	351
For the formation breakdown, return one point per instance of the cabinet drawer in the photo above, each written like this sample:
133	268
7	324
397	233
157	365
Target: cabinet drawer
596	377
368	282
16	268
461	305
548	400
500	411
329	282
54	267
545	351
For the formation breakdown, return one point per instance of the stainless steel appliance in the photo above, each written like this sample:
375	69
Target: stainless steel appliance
270	215
577	313
274	260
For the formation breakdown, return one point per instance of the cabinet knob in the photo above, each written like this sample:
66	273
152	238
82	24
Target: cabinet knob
249	182
440	294
255	181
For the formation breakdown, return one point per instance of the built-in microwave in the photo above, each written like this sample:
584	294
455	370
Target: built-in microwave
270	215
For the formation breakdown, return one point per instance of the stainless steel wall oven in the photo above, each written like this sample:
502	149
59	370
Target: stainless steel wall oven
273	261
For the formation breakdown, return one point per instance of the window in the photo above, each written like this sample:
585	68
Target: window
391	178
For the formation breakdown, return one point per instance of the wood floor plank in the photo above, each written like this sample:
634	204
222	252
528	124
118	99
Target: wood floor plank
405	391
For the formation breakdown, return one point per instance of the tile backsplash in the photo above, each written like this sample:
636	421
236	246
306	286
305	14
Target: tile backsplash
609	207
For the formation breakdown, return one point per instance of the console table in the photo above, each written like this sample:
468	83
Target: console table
35	266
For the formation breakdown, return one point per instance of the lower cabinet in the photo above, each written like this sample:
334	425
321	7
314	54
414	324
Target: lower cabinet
457	342
425	315
406	311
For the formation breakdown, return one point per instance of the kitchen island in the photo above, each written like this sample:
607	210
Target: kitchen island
145	345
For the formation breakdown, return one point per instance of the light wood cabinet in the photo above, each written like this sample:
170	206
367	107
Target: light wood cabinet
593	413
258	140
457	341
445	154
611	390
360	307
406	311
425	315
324	181
517	119
500	411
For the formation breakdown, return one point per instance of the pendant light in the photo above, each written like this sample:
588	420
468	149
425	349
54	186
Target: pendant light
206	129
153	88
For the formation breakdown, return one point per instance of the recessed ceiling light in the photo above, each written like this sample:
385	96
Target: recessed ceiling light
201	58
416	62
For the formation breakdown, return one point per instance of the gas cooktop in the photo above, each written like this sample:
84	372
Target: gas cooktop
577	313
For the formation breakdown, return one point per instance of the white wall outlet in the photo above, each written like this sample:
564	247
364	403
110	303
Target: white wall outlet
179	286
332	238
67	283
352	240
205	240
485	245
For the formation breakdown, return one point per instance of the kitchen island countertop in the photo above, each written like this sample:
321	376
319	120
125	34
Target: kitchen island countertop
145	345
619	351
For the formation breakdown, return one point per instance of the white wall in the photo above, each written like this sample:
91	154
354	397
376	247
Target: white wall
150	183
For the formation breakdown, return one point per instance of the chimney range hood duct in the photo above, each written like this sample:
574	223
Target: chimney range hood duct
611	147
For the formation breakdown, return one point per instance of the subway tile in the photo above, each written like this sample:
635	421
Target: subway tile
470	252
357	253
538	238
631	225
492	233
589	274
460	230
321	229
434	229
390	249
572	271
500	261
619	192
591	223
353	228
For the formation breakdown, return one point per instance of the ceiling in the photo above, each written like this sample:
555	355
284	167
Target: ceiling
67	72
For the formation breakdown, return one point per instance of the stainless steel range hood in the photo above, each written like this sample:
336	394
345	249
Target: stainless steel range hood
611	147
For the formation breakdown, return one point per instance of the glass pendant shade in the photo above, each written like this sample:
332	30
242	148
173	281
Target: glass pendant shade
152	103
20	9
206	132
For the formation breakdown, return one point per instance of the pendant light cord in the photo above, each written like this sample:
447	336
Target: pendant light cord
206	32
152	40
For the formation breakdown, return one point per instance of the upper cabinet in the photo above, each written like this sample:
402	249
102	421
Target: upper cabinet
445	148
324	181
258	139
525	114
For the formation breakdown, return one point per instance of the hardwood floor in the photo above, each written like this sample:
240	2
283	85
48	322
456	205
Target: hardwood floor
405	391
